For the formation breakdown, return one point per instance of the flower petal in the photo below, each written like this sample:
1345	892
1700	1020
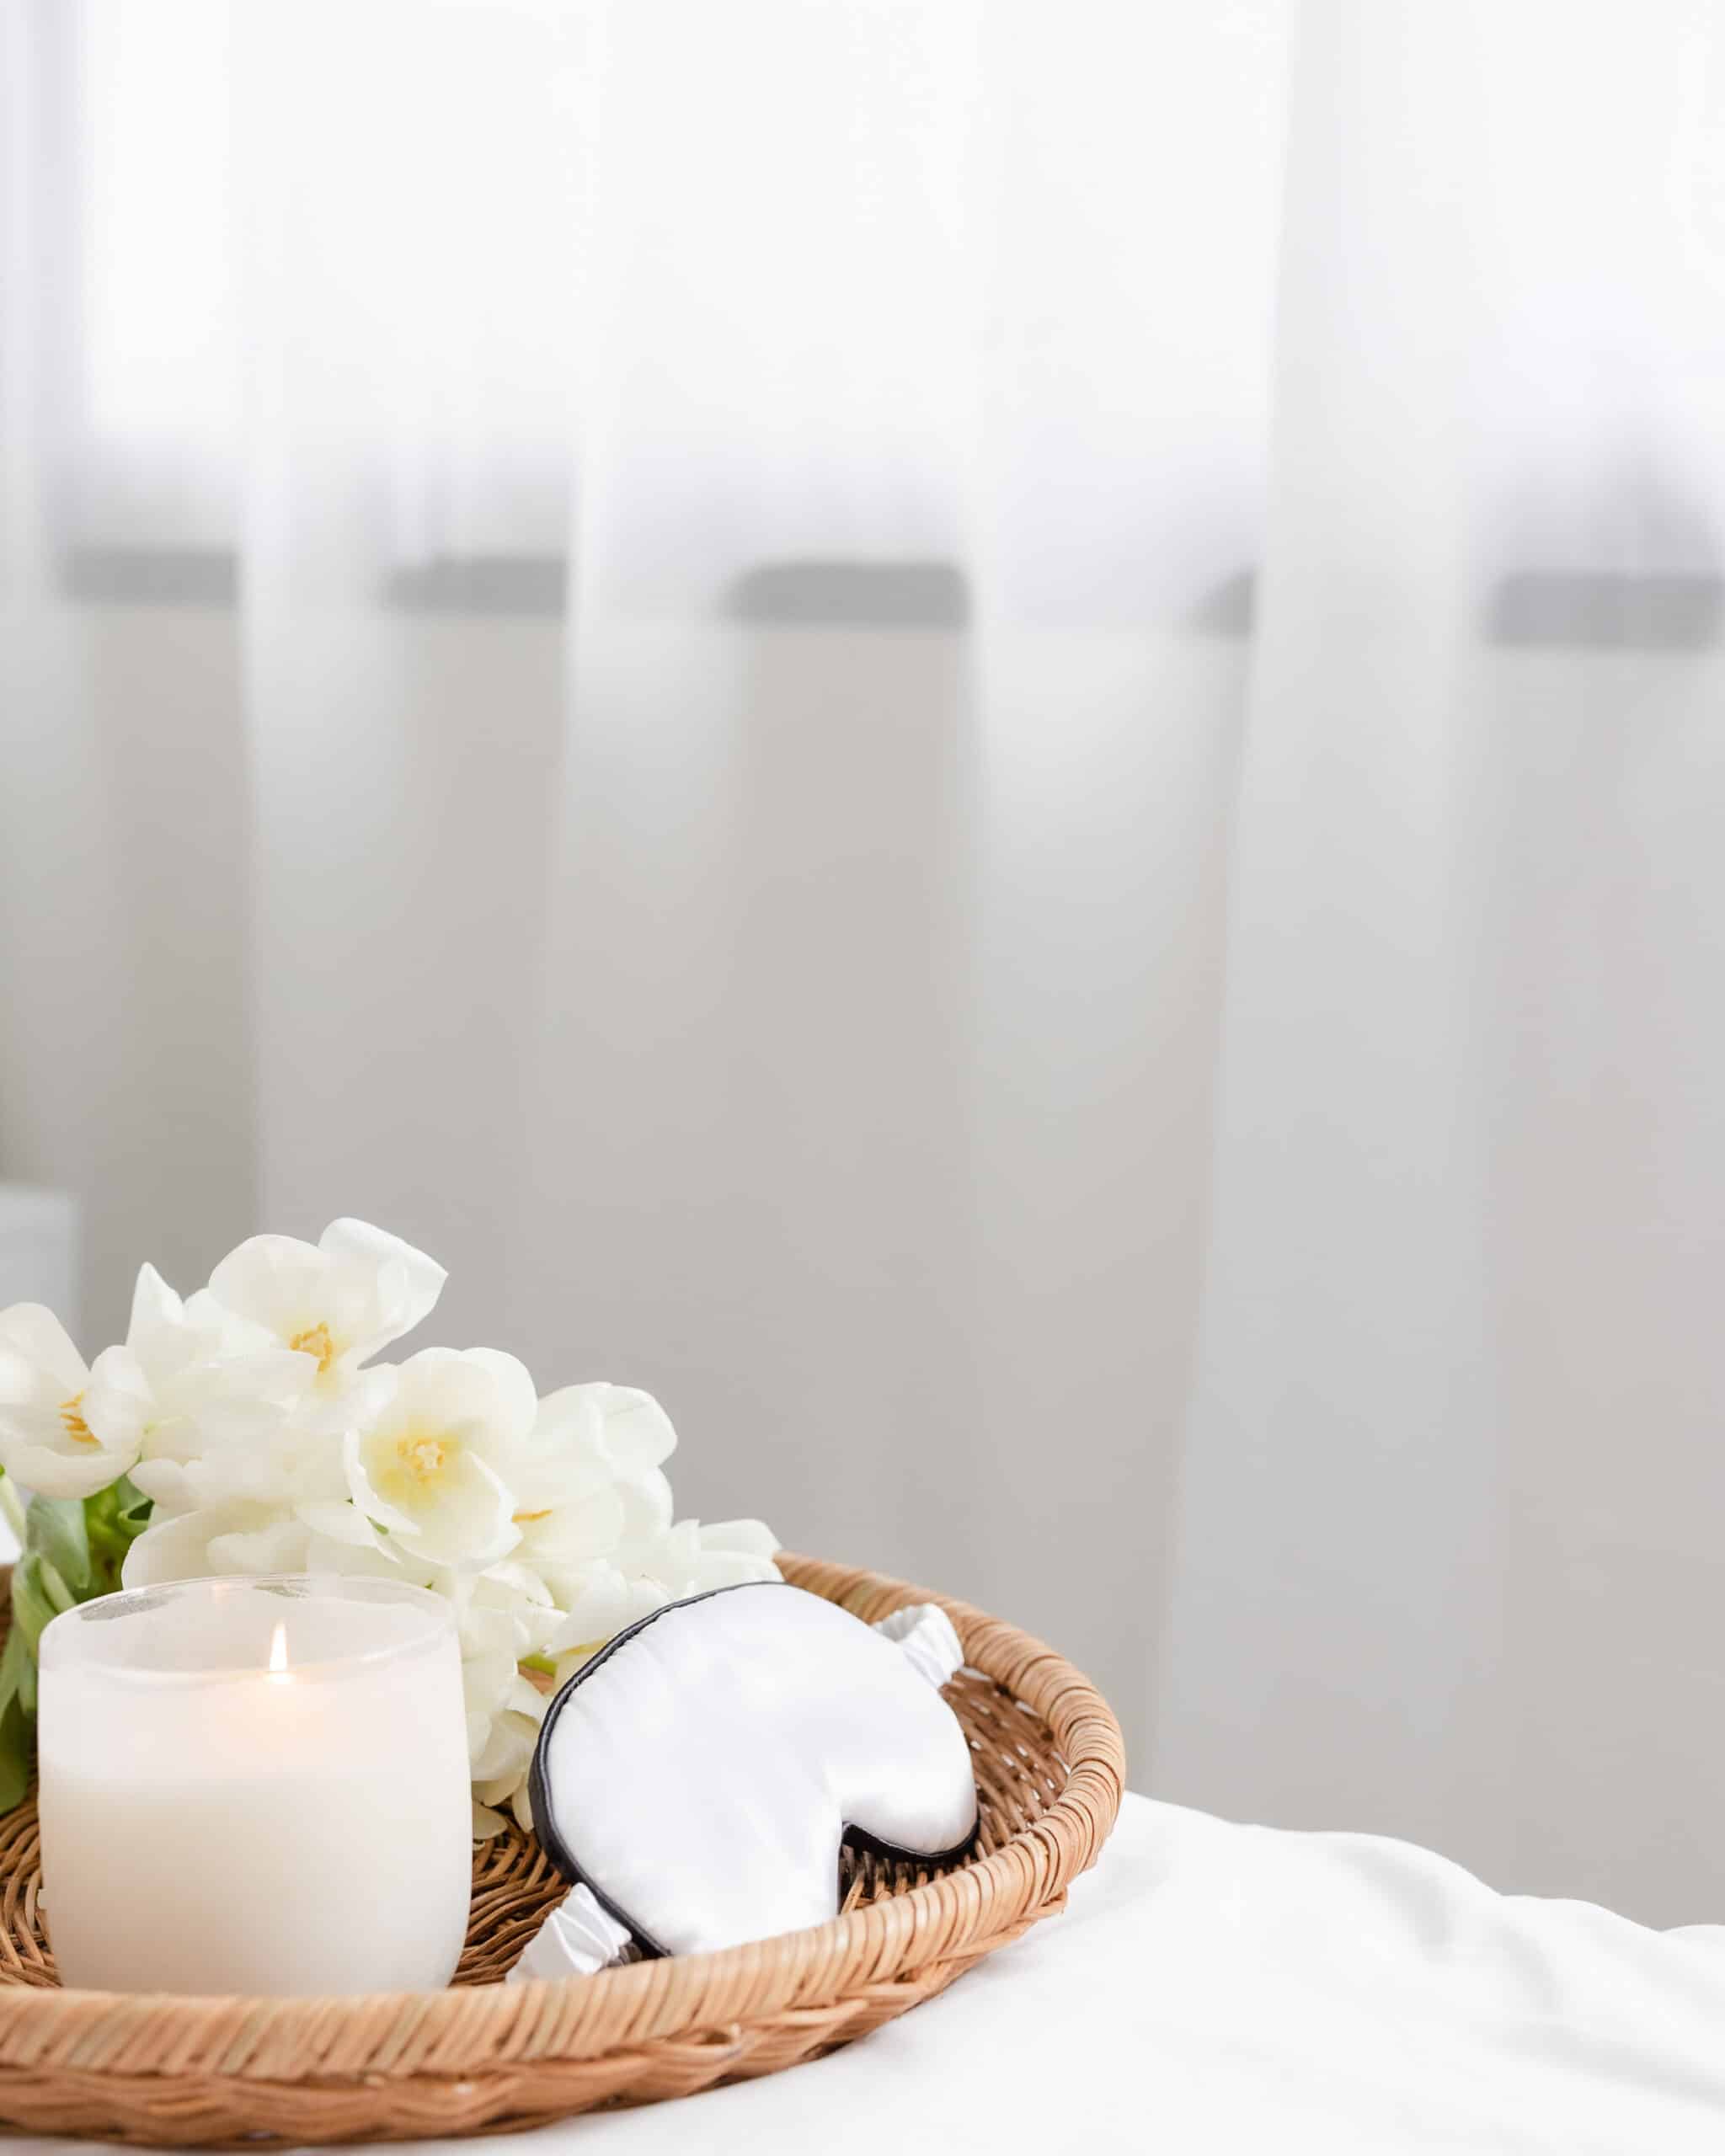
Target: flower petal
637	1432
34	1346
599	1603
274	1280
408	1283
340	1521
118	1404
364	1491
50	1473
646	1509
569	1534
180	1549
724	1568
517	1399
165	1483
153	1305
275	1545
468	1523
749	1538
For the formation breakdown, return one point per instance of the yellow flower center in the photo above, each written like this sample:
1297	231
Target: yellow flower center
526	1519
73	1422
315	1340
421	1453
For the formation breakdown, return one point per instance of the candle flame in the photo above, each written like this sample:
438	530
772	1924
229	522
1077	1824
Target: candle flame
278	1653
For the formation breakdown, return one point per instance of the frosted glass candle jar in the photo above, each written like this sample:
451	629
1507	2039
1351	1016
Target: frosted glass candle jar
255	1785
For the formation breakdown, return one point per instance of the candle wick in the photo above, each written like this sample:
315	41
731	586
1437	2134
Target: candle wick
278	1653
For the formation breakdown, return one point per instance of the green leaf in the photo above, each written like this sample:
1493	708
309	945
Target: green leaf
114	1519
32	1606
18	1706
14	1754
55	1528
18	1673
11	1505
73	1551
57	1592
132	1505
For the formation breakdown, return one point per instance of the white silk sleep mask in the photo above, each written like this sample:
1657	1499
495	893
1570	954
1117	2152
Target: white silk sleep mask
696	1779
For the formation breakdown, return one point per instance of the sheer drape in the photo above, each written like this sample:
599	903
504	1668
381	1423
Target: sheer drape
1455	1444
627	637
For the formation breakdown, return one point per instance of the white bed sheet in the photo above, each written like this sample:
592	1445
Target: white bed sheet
1232	1990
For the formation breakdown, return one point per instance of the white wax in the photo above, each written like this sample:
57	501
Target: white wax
222	1830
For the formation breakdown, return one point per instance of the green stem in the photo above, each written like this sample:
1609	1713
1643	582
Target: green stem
10	1508
57	1592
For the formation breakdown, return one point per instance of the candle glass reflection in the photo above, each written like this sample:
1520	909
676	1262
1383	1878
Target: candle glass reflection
255	1785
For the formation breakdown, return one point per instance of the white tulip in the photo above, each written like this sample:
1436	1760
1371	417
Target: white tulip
238	1535
648	1512
188	1374
337	1300
597	1601
622	1429
65	1430
502	1620
213	1375
235	1537
290	1463
727	1552
435	1468
571	1533
246	1414
571	1502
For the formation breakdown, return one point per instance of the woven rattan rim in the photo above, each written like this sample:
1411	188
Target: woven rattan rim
487	2058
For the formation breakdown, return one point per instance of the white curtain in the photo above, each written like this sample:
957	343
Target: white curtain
1449	1546
989	740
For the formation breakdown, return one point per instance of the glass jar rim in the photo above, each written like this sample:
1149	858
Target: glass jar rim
62	1637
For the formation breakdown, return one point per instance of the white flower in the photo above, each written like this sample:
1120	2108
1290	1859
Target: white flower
337	1300
502	1620
437	1467
188	1375
231	1537
504	1713
213	1377
295	1471
722	1553
246	1414
227	1431
66	1431
624	1431
573	1498
569	1531
629	1434
599	1600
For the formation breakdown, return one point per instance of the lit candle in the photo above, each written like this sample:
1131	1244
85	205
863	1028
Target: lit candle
255	1785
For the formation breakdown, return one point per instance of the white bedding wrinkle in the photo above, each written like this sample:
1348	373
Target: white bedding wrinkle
1222	1990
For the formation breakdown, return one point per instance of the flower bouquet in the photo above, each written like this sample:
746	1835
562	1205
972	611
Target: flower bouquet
246	1429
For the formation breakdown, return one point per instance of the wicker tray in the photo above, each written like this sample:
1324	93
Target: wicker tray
484	2058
